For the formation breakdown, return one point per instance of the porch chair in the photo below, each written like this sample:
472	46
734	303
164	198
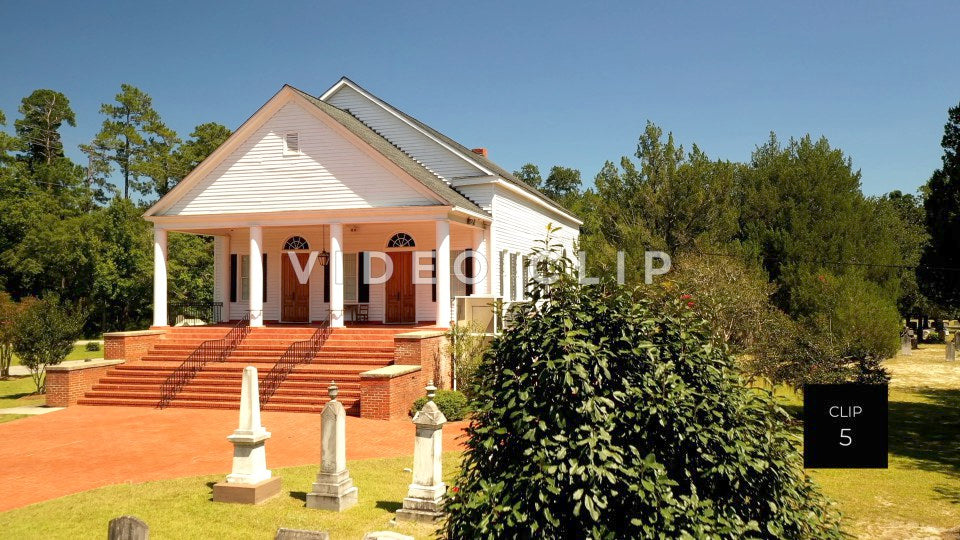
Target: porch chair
363	312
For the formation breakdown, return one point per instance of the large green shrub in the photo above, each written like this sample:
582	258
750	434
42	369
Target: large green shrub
602	415
452	404
43	335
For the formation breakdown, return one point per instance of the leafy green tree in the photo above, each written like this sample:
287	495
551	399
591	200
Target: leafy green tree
204	139
159	162
530	175
9	311
561	183
122	140
122	277
44	112
190	267
912	237
7	144
603	415
942	206
43	335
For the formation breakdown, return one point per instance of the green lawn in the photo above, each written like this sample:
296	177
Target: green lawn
919	494
182	508
11	417
19	392
79	352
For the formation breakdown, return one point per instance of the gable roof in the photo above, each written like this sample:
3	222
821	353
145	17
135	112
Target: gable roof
394	154
469	155
408	165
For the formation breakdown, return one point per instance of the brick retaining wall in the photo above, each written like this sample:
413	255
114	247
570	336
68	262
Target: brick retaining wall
427	349
388	393
130	346
68	382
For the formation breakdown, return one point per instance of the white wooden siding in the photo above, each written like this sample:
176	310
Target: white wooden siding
519	225
417	145
482	194
330	172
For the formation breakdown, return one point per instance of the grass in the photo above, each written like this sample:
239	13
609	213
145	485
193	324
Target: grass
19	392
182	508
79	352
11	417
919	494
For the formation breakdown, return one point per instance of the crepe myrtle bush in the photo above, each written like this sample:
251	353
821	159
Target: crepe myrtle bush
601	414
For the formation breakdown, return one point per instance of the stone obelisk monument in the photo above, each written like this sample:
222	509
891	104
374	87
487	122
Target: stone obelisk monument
424	501
334	489
250	482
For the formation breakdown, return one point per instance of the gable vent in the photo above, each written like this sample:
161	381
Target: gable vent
291	143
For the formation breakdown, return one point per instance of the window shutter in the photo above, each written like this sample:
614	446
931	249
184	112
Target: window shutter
363	271
326	282
233	277
264	277
293	143
433	288
468	271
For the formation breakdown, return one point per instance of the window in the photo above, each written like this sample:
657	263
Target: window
244	277
291	144
350	278
401	240
295	243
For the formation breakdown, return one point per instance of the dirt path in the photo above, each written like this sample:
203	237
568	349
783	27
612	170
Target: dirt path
81	448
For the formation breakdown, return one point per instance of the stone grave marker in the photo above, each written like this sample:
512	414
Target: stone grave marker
424	501
250	482
334	489
127	528
297	534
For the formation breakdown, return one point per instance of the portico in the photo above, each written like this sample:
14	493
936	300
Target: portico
395	263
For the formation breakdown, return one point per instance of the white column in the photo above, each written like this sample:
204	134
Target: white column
256	276
480	246
159	277
443	273
336	274
222	247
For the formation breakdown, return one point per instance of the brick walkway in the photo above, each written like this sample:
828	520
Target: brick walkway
80	448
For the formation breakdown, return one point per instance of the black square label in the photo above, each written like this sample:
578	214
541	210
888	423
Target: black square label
845	426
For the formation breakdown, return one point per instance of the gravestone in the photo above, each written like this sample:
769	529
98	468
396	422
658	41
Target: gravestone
905	347
127	528
424	501
386	535
334	489
914	343
297	534
250	482
951	348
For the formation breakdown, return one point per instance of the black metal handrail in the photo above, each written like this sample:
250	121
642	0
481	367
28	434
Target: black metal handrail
211	350
194	313
299	352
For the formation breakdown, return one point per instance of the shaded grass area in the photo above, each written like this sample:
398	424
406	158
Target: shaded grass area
19	392
79	352
182	508
919	494
11	417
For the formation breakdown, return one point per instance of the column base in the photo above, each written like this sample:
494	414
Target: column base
333	491
421	510
246	493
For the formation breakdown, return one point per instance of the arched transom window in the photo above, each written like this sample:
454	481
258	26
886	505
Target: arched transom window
401	240
295	243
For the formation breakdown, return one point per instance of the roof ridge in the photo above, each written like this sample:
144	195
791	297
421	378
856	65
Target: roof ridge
398	147
381	144
477	159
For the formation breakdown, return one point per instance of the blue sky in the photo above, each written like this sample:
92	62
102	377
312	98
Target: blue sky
569	83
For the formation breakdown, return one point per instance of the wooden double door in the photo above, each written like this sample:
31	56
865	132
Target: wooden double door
401	293
295	306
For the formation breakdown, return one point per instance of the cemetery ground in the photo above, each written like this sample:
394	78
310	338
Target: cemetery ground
917	497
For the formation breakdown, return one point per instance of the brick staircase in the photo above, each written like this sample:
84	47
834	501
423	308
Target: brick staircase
346	353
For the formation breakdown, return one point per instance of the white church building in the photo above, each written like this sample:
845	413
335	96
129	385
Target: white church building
313	199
